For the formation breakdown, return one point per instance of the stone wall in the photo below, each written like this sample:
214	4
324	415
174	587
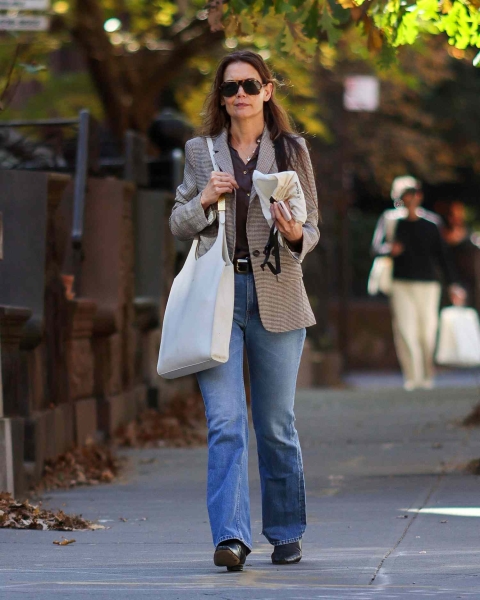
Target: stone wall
70	348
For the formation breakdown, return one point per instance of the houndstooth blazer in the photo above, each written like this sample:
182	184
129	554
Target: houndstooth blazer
282	299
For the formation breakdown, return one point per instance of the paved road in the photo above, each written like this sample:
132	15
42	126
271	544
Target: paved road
385	502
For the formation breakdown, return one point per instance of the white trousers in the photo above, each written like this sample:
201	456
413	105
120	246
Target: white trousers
415	307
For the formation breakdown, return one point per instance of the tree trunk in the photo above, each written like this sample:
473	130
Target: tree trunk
103	65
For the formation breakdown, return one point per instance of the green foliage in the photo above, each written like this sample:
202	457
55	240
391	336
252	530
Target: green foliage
329	24
384	23
59	97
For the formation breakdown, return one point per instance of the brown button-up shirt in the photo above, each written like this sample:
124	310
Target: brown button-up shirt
243	176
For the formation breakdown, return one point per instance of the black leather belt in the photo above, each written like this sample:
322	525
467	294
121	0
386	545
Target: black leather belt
242	266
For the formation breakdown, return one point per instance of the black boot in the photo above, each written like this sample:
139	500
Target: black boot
287	554
231	554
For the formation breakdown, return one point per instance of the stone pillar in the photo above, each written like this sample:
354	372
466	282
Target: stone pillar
151	226
30	275
108	279
12	406
12	473
12	321
55	301
81	368
148	344
49	423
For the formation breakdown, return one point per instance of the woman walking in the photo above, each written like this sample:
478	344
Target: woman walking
251	131
419	254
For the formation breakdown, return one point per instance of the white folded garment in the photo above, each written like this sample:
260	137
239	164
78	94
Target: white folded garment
280	186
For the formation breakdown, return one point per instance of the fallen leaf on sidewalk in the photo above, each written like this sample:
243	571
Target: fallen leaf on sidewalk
64	542
473	467
402	517
473	419
122	519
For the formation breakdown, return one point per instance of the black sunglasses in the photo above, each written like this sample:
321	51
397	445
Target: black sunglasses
251	87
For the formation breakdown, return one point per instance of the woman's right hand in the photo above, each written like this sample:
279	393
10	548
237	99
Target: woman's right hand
219	183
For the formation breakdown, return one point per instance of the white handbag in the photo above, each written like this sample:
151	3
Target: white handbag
459	337
198	319
381	274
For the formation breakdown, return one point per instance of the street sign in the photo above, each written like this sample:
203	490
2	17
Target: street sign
24	23
24	4
361	93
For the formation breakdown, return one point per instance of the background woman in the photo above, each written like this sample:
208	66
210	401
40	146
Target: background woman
251	131
464	248
419	254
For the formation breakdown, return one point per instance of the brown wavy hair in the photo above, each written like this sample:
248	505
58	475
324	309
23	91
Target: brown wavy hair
283	135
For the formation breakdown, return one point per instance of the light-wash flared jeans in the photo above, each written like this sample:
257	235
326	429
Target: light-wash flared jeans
273	359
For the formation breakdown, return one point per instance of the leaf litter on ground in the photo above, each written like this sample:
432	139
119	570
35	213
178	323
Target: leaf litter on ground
181	424
91	464
23	515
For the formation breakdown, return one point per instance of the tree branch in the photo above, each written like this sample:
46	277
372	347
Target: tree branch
9	76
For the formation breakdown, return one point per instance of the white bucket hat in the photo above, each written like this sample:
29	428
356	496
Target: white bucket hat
401	184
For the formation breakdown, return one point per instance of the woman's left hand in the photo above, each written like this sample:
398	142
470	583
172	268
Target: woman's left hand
291	230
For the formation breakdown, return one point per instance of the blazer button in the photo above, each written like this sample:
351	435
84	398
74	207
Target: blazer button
256	253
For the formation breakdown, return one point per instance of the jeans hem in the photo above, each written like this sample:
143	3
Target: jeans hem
237	537
289	541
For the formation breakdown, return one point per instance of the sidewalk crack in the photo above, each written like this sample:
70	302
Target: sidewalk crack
411	522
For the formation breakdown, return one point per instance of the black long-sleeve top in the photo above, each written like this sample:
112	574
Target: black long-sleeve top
424	252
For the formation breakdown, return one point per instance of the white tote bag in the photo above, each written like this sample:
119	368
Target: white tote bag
459	337
381	274
198	319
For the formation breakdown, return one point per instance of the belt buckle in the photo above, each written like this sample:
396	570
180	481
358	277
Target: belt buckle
241	265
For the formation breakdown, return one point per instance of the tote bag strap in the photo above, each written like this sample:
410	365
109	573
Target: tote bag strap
212	154
221	200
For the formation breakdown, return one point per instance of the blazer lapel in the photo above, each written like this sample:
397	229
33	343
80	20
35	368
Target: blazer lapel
266	159
222	152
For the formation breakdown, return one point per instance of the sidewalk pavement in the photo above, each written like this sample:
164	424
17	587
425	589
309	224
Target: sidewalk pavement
390	515
445	378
